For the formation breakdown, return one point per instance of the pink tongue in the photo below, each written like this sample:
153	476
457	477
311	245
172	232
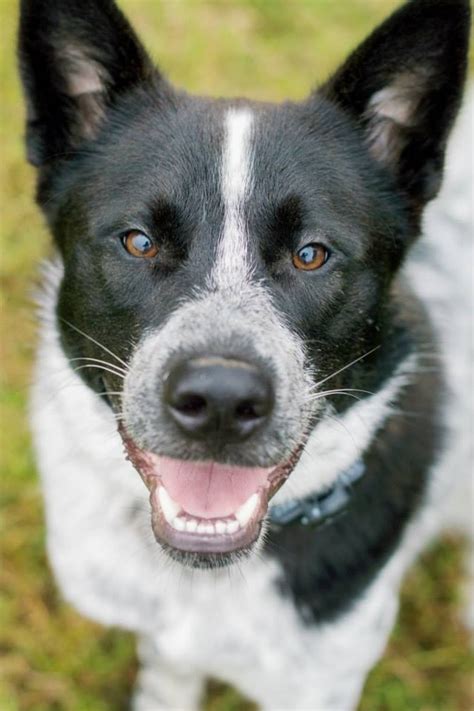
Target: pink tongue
207	489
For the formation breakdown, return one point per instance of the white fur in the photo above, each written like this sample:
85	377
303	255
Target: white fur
441	272
234	625
232	260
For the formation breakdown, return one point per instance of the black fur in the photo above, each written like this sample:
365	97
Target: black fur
326	569
138	154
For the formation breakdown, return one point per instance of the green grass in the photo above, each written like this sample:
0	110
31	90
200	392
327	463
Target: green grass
52	659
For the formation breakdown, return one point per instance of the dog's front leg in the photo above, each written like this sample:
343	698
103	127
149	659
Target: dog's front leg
309	666
162	686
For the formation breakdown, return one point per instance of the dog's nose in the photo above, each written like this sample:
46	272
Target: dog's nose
218	397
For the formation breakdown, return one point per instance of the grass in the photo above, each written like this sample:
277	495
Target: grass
52	659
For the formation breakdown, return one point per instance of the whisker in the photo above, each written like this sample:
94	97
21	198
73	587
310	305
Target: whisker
341	391
319	396
104	362
99	367
348	390
93	340
345	367
338	392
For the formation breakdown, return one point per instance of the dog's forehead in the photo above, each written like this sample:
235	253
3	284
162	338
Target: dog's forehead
228	164
188	146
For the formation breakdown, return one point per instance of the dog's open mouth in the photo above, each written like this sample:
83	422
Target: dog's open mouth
206	507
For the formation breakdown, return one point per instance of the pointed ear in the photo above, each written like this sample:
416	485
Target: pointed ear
403	86
76	57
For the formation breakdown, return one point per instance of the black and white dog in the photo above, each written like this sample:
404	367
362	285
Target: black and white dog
228	316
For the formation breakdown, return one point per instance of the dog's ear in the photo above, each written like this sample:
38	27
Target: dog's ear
76	57
403	85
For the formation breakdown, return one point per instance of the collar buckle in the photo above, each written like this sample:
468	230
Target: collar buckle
322	508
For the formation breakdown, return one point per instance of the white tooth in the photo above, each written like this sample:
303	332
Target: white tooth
169	507
221	527
191	525
246	511
179	523
210	528
232	526
202	528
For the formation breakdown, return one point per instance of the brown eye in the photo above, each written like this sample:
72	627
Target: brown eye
311	256
139	244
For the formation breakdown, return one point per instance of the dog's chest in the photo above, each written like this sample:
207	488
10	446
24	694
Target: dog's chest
229	621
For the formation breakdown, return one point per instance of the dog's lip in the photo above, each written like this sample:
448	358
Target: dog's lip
201	542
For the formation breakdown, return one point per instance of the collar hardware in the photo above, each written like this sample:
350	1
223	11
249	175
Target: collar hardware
322	508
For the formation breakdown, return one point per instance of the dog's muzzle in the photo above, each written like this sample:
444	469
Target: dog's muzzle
214	416
205	507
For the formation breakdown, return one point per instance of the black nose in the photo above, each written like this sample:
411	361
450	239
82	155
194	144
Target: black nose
218	397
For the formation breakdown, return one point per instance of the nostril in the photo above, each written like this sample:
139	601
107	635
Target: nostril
191	405
248	411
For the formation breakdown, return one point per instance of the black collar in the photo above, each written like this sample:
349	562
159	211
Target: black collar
320	508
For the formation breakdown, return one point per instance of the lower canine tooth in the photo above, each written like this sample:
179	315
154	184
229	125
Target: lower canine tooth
191	526
169	507
179	524
245	512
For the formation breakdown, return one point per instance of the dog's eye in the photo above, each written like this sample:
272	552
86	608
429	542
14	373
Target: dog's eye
139	244
311	256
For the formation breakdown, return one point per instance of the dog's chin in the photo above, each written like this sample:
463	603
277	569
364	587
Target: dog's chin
207	561
206	514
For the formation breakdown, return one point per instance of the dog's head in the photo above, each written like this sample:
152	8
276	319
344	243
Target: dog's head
225	261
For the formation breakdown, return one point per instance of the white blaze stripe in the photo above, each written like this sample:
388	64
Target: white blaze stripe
232	263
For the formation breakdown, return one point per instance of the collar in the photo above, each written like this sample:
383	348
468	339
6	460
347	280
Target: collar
322	508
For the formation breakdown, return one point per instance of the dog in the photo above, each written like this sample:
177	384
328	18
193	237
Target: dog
240	337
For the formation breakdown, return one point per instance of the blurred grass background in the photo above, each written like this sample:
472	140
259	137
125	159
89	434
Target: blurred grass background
51	659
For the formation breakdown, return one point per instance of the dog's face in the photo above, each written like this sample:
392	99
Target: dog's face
225	261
